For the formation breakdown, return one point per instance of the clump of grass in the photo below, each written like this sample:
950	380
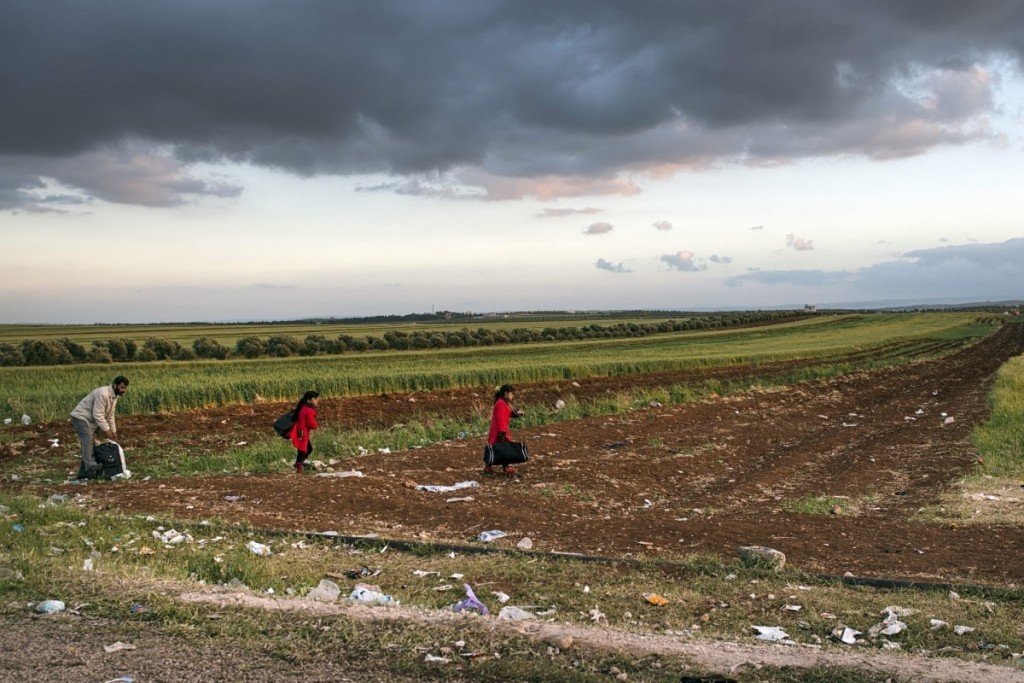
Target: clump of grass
814	505
1000	441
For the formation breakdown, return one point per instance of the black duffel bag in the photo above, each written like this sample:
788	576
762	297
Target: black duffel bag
506	453
110	459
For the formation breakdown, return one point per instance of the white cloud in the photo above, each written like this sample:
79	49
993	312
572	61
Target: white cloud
663	225
598	228
799	243
682	260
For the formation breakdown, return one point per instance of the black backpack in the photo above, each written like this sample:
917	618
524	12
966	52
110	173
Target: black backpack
284	425
110	458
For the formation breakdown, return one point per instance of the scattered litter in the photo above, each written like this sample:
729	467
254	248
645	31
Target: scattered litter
936	624
443	587
423	572
146	550
326	591
962	630
122	679
233	499
559	404
26	420
953	595
18	527
117	647
851	424
138	608
435	658
891	625
655	599
241	443
361	573
502	597
949	420
87	564
845	634
50	607
259	549
513	613
488	536
341	475
456	576
596	615
648	503
792	608
370	595
463	499
448	489
171	537
7	420
57	499
655	404
385	451
773	634
918	412
362	451
525	543
471	602
890	645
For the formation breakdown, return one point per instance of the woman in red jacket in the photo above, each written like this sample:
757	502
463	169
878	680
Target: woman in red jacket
305	422
501	415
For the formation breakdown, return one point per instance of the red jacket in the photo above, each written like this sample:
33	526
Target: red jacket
303	426
500	418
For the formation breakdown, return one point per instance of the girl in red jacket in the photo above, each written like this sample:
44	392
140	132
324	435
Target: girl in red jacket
501	415
305	422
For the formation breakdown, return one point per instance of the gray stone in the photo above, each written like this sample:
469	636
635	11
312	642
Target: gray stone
327	591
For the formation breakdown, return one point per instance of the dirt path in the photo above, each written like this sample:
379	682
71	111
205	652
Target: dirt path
721	657
702	477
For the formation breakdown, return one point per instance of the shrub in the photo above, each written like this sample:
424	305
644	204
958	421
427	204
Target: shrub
251	347
162	348
146	355
11	355
99	354
185	353
283	345
38	352
205	347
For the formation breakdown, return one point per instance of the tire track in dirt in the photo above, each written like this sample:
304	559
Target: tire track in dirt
605	484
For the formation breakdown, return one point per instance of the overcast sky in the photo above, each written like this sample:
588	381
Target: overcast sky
235	160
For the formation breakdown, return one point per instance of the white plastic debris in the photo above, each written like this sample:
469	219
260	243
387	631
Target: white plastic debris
792	608
171	537
448	489
87	564
502	597
525	543
936	624
385	451
845	634
559	404
949	420
655	404
370	595
773	634
117	647
596	615
890	645
7	421
26	420
461	499
436	659
423	572
513	613
891	625
488	536
326	591
50	607
259	549
961	630
918	412
341	475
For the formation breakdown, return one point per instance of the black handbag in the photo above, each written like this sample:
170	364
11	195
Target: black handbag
506	453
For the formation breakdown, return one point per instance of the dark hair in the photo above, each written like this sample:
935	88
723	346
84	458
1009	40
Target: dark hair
502	390
120	379
304	401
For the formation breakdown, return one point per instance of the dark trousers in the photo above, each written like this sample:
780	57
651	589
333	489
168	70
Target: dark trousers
300	456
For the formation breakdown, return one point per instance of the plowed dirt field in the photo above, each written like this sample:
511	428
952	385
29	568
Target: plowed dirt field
664	482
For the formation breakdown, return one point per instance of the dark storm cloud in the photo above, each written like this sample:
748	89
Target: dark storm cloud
964	270
612	267
489	91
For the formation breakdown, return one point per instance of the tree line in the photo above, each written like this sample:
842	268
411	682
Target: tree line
66	351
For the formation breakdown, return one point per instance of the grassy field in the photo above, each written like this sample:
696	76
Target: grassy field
707	600
228	333
47	393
